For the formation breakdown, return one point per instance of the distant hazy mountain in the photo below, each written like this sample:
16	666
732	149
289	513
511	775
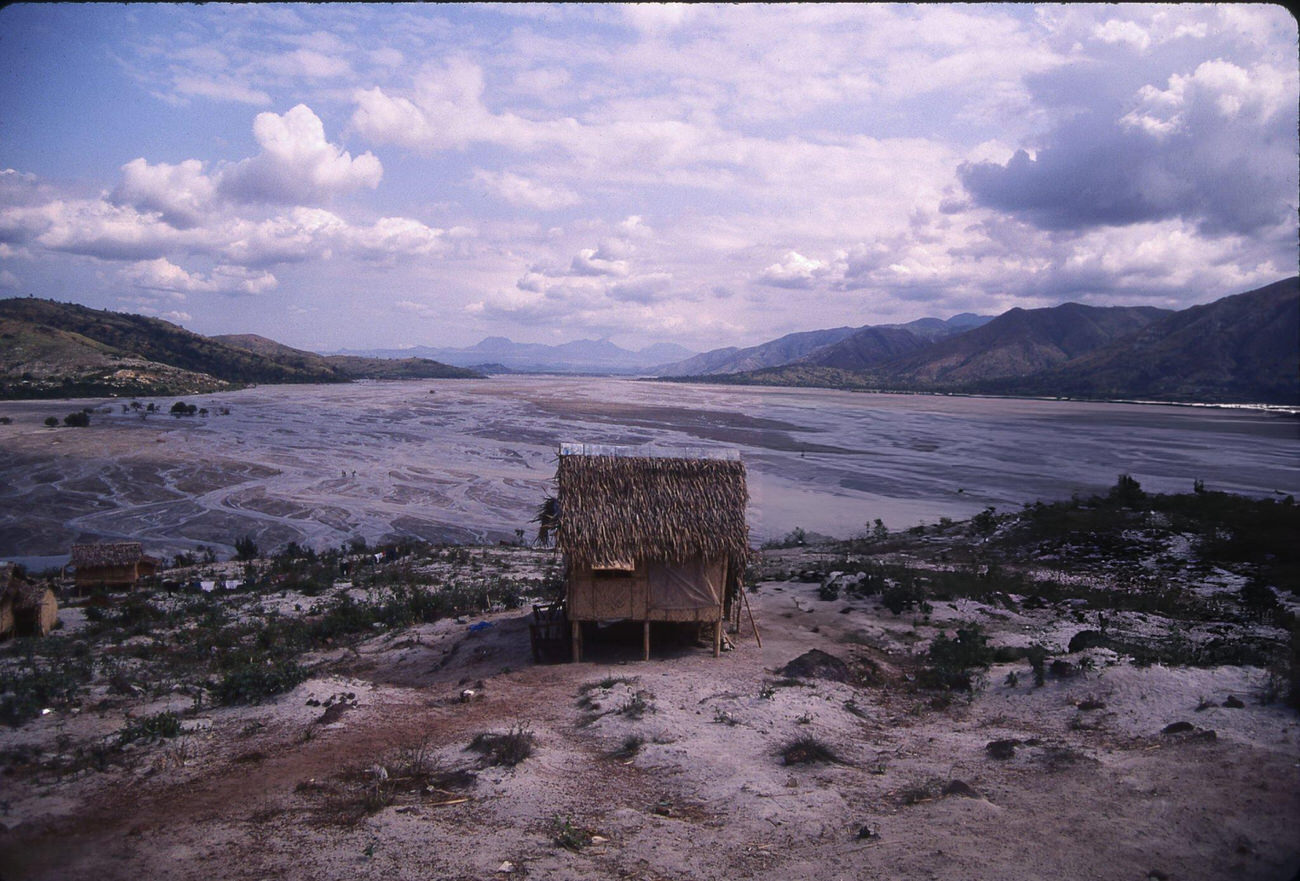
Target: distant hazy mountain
733	360
807	347
938	328
1241	348
348	366
865	348
579	356
54	349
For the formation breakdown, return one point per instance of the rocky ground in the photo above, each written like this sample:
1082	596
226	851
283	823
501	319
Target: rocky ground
1161	746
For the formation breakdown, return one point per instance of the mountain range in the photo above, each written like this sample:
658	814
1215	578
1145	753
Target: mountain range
51	350
499	354
1243	348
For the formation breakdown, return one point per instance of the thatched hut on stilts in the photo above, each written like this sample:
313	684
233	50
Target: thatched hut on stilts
650	535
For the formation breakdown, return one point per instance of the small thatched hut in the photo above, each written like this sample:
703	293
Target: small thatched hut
116	564
650	536
6	600
25	609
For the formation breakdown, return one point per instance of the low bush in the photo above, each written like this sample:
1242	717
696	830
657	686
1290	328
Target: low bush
155	727
808	750
255	683
507	749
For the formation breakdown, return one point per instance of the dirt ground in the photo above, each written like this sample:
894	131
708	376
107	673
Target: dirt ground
671	769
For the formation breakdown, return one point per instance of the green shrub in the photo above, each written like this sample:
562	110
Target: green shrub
155	727
254	683
952	661
39	684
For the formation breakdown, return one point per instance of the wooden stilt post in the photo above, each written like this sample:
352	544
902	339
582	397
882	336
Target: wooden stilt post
752	623
577	640
645	639
717	637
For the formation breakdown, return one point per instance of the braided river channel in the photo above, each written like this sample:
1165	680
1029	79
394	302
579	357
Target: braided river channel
471	460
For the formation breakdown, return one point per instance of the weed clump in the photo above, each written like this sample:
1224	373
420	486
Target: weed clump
255	683
155	727
507	749
808	750
954	661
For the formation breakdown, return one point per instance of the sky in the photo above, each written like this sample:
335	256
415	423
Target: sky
358	176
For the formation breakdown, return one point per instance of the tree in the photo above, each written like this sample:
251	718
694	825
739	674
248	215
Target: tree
180	408
52	421
80	419
245	548
1127	491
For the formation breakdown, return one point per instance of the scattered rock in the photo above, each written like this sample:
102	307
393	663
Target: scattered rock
1002	749
1091	704
867	832
333	713
1086	639
1233	702
1063	669
1157	875
1188	731
817	664
961	788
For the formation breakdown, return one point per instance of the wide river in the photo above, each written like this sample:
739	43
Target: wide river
471	460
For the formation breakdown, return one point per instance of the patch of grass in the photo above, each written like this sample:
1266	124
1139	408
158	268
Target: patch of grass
808	750
507	749
155	727
605	684
630	746
637	705
255	683
38	683
569	835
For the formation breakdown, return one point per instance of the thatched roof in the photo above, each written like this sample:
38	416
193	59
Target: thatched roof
121	553
627	503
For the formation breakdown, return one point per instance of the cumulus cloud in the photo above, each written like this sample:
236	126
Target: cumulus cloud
9	280
794	270
1128	32
648	288
297	164
519	190
163	275
592	261
181	193
1216	147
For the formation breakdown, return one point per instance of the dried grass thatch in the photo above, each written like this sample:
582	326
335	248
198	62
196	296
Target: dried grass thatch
121	553
615	505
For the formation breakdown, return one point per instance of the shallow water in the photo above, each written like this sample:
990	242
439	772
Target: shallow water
471	460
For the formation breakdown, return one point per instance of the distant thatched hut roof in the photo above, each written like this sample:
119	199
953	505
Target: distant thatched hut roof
120	553
7	597
628	503
25	609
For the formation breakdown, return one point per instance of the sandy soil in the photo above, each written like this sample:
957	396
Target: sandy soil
1092	788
